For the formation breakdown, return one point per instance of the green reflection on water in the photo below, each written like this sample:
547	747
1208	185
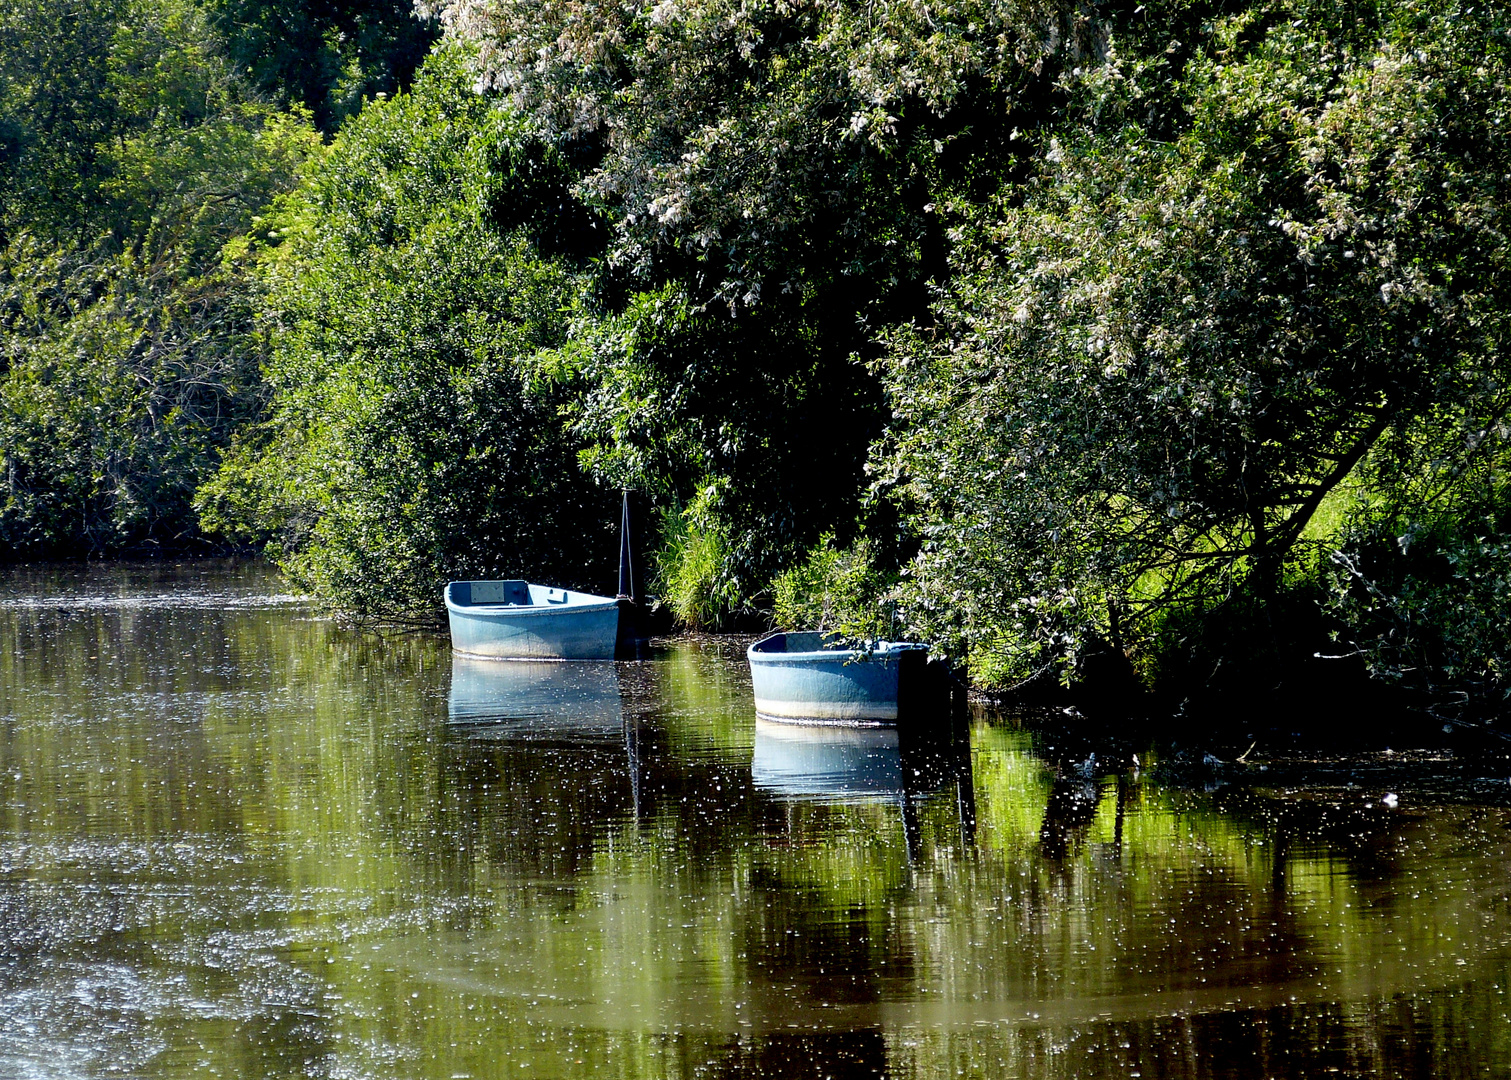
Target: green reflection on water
237	838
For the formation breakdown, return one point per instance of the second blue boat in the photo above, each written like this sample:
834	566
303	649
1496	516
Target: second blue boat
814	677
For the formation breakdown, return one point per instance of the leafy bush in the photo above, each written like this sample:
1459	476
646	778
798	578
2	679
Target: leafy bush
1424	602
838	589
417	377
691	563
128	355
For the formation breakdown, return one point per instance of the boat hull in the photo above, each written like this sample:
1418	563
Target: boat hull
796	679
539	624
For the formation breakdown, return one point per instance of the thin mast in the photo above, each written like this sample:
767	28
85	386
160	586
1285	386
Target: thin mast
626	573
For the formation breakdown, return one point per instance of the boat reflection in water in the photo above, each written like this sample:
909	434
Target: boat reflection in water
525	700
813	761
849	764
545	704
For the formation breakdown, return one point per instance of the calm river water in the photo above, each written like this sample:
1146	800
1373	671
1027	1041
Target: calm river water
238	840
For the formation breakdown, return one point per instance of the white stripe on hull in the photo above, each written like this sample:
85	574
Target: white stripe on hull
851	711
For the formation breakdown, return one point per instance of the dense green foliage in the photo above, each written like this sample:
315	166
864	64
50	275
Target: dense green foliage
1150	373
328	55
768	169
139	140
1422	597
416	376
1035	330
839	590
133	156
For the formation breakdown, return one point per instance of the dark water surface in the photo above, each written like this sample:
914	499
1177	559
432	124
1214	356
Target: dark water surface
238	840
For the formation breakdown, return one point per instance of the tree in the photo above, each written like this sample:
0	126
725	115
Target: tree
1151	374
769	170
135	161
418	369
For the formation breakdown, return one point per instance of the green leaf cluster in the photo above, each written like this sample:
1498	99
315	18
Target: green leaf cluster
419	366
1156	362
842	590
133	160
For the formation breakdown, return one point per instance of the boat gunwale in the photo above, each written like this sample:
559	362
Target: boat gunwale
601	604
593	603
891	651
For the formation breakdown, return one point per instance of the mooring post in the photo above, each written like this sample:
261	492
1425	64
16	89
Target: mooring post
626	570
629	644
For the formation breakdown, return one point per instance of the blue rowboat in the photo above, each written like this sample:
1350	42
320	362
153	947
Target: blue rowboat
814	677
514	620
